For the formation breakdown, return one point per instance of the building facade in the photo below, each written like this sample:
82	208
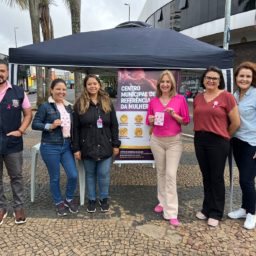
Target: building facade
3	57
204	20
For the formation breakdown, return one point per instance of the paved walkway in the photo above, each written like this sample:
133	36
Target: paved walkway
130	227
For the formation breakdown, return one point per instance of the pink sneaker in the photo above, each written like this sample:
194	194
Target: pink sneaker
158	209
174	222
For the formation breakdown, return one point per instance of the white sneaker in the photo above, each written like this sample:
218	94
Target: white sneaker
237	214
250	221
201	216
213	222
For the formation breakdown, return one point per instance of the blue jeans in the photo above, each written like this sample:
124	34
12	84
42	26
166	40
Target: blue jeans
97	171
53	156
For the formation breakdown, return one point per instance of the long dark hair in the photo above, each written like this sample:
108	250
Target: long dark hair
217	70
83	102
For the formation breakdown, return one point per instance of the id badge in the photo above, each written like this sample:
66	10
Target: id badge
99	123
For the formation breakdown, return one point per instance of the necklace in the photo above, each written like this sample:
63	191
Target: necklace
211	96
165	101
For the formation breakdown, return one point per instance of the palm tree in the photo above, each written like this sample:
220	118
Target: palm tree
45	20
35	27
47	31
75	10
33	6
23	4
40	16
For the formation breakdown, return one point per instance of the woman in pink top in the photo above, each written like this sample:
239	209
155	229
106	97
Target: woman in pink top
166	112
216	118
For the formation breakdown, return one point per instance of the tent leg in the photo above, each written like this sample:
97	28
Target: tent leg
231	177
228	77
231	194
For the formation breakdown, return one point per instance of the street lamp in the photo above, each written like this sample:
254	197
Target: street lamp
129	10
15	28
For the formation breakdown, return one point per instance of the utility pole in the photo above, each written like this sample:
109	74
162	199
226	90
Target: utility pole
129	10
15	37
226	37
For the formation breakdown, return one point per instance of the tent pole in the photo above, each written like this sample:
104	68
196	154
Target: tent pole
13	73
231	178
228	76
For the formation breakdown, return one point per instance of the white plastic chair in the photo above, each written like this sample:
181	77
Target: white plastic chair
34	157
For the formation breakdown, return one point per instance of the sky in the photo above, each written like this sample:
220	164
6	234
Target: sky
95	15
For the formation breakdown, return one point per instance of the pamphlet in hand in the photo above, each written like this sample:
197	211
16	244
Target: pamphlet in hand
159	118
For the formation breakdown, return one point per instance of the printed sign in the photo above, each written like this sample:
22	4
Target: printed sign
135	88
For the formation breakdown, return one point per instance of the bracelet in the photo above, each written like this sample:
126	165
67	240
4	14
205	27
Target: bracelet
21	132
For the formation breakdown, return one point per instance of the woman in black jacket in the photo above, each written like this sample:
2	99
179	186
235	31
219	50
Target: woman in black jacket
95	139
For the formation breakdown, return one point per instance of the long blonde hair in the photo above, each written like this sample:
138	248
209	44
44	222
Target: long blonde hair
173	83
83	102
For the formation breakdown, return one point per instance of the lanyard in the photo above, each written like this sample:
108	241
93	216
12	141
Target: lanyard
99	120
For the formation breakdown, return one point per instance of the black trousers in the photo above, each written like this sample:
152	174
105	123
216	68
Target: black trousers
243	153
211	152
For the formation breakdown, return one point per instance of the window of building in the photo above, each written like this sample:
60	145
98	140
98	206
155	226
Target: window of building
160	15
243	39
183	4
174	16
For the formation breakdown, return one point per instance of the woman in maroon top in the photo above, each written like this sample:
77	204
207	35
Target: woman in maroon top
216	118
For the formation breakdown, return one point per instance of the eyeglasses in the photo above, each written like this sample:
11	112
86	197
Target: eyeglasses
214	79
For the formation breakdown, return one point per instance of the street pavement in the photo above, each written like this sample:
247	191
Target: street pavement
130	227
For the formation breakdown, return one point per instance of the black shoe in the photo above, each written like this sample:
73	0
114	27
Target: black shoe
71	205
91	207
61	209
19	215
104	206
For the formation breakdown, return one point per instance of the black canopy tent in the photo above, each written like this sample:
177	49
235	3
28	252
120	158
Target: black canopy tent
123	47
